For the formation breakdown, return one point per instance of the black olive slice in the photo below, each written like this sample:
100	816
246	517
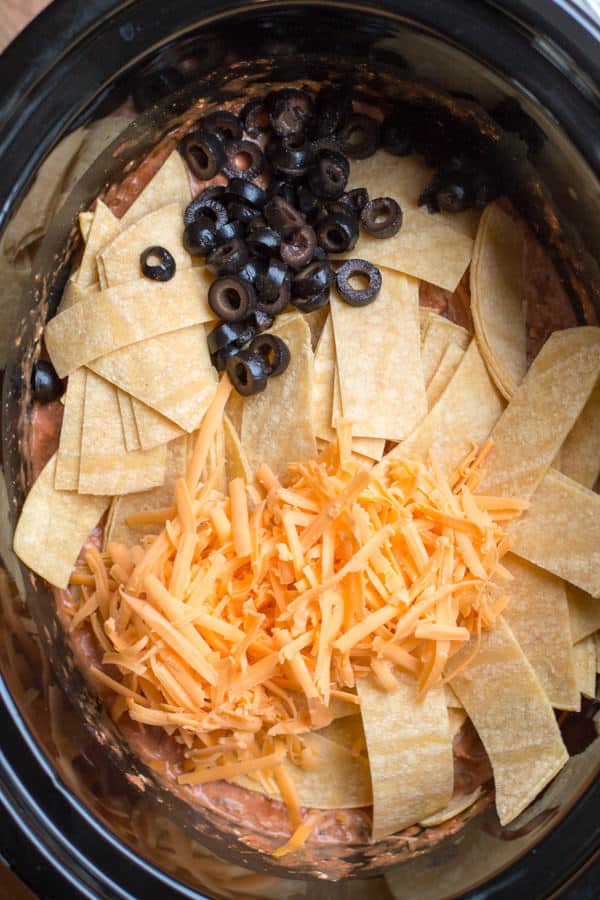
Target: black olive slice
263	320
269	279
312	303
231	298
243	159
298	248
237	333
200	237
308	204
290	111
247	373
264	241
368	276
249	272
157	263
229	257
246	191
230	231
334	108
225	125
356	200
381	217
337	233
454	197
274	352
212	192
255	118
46	386
328	176
196	209
359	136
314	278
207	207
282	216
219	359
396	137
203	152
273	304
256	222
281	187
241	212
289	157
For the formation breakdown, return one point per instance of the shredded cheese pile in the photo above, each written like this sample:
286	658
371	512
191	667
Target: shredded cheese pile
235	627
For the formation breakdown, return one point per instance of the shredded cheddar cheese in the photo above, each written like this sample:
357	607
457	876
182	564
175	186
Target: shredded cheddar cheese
234	627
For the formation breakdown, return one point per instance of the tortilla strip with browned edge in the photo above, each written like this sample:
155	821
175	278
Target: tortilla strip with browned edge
169	185
152	428
541	412
105	466
497	298
560	532
512	716
104	321
382	387
580	453
584	613
436	248
585	666
440	334
104	229
538	615
463	416
277	424
69	446
410	752
53	527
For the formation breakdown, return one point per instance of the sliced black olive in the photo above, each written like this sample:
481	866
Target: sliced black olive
337	233
230	231
314	278
200	237
163	266
454	197
243	159
207	207
359	136
328	176
298	248
308	204
269	280
290	111
275	353
319	253
256	222
155	86
280	187
334	108
312	303
366	274
212	192
356	199
282	216
255	118
241	212
263	320
231	298
226	333
278	303
224	124
246	191
247	373
510	115
289	157
229	257
395	137
264	241
219	359
381	217
249	272
329	144
46	386
204	154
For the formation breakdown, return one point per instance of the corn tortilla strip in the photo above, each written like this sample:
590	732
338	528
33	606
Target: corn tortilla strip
560	532
464	415
585	666
542	411
14	282
513	717
120	260
452	701
53	526
538	615
170	373
370	448
584	613
425	315
158	498
449	363
456	719
278	425
35	212
170	184
438	337
105	466
456	805
130	432
436	248
104	229
340	781
347	731
497	298
236	463
152	428
580	453
69	447
99	323
341	708
410	753
85	220
382	388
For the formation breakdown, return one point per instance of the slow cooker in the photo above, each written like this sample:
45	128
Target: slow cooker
80	818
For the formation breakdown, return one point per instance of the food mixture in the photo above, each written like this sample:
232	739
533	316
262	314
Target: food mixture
317	504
